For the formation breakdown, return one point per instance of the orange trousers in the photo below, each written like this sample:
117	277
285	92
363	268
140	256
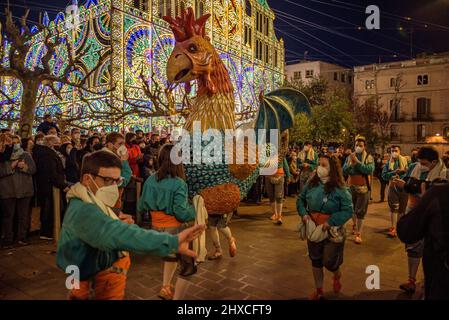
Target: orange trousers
107	284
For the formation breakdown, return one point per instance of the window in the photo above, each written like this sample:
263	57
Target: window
394	132
336	76
259	50
343	77
267	54
369	84
395	109
446	132
392	82
165	8
421	132
423	80
309	73
422	108
267	26
350	79
249	8
248	36
199	8
297	75
259	22
275	57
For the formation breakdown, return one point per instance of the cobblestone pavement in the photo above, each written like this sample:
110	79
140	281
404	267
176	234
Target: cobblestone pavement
271	263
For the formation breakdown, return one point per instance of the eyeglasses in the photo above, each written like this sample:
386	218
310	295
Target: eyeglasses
109	181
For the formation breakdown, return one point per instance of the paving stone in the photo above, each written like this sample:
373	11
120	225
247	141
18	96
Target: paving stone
271	263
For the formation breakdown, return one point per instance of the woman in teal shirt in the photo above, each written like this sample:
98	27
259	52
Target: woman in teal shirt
165	195
326	201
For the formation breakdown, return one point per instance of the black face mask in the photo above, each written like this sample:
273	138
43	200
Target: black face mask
97	147
6	154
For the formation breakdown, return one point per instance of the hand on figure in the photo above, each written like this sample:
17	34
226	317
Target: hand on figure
326	226
22	165
14	164
188	235
399	183
126	218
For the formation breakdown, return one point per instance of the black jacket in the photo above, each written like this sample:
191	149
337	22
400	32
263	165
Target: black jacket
50	171
429	220
72	170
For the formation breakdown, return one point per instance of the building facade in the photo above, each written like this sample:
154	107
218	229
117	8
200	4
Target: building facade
306	71
140	40
416	95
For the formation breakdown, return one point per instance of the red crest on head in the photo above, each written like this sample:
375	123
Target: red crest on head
185	26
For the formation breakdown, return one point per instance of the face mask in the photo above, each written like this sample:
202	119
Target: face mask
424	168
40	142
16	147
122	150
358	150
395	155
107	194
323	173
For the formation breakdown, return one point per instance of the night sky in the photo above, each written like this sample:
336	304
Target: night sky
329	30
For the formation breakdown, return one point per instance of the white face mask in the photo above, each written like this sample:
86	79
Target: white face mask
358	150
107	194
395	155
323	173
424	168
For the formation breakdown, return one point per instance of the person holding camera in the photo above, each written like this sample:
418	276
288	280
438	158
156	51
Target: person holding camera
428	170
16	191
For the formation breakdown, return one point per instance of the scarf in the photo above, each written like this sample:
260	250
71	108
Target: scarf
79	191
309	155
439	171
402	163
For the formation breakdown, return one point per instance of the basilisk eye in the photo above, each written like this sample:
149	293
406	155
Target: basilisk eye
193	48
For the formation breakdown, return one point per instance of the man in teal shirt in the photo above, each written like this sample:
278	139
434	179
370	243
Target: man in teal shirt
96	240
395	168
359	166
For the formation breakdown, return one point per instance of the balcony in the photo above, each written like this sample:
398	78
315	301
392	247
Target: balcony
423	118
398	119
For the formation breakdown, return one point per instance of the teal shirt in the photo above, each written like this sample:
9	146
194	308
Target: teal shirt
126	173
388	174
366	168
169	195
312	162
286	168
92	241
339	203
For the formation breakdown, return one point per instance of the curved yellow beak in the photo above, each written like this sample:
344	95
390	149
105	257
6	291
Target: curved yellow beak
179	67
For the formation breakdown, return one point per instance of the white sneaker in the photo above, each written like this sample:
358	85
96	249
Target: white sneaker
45	238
